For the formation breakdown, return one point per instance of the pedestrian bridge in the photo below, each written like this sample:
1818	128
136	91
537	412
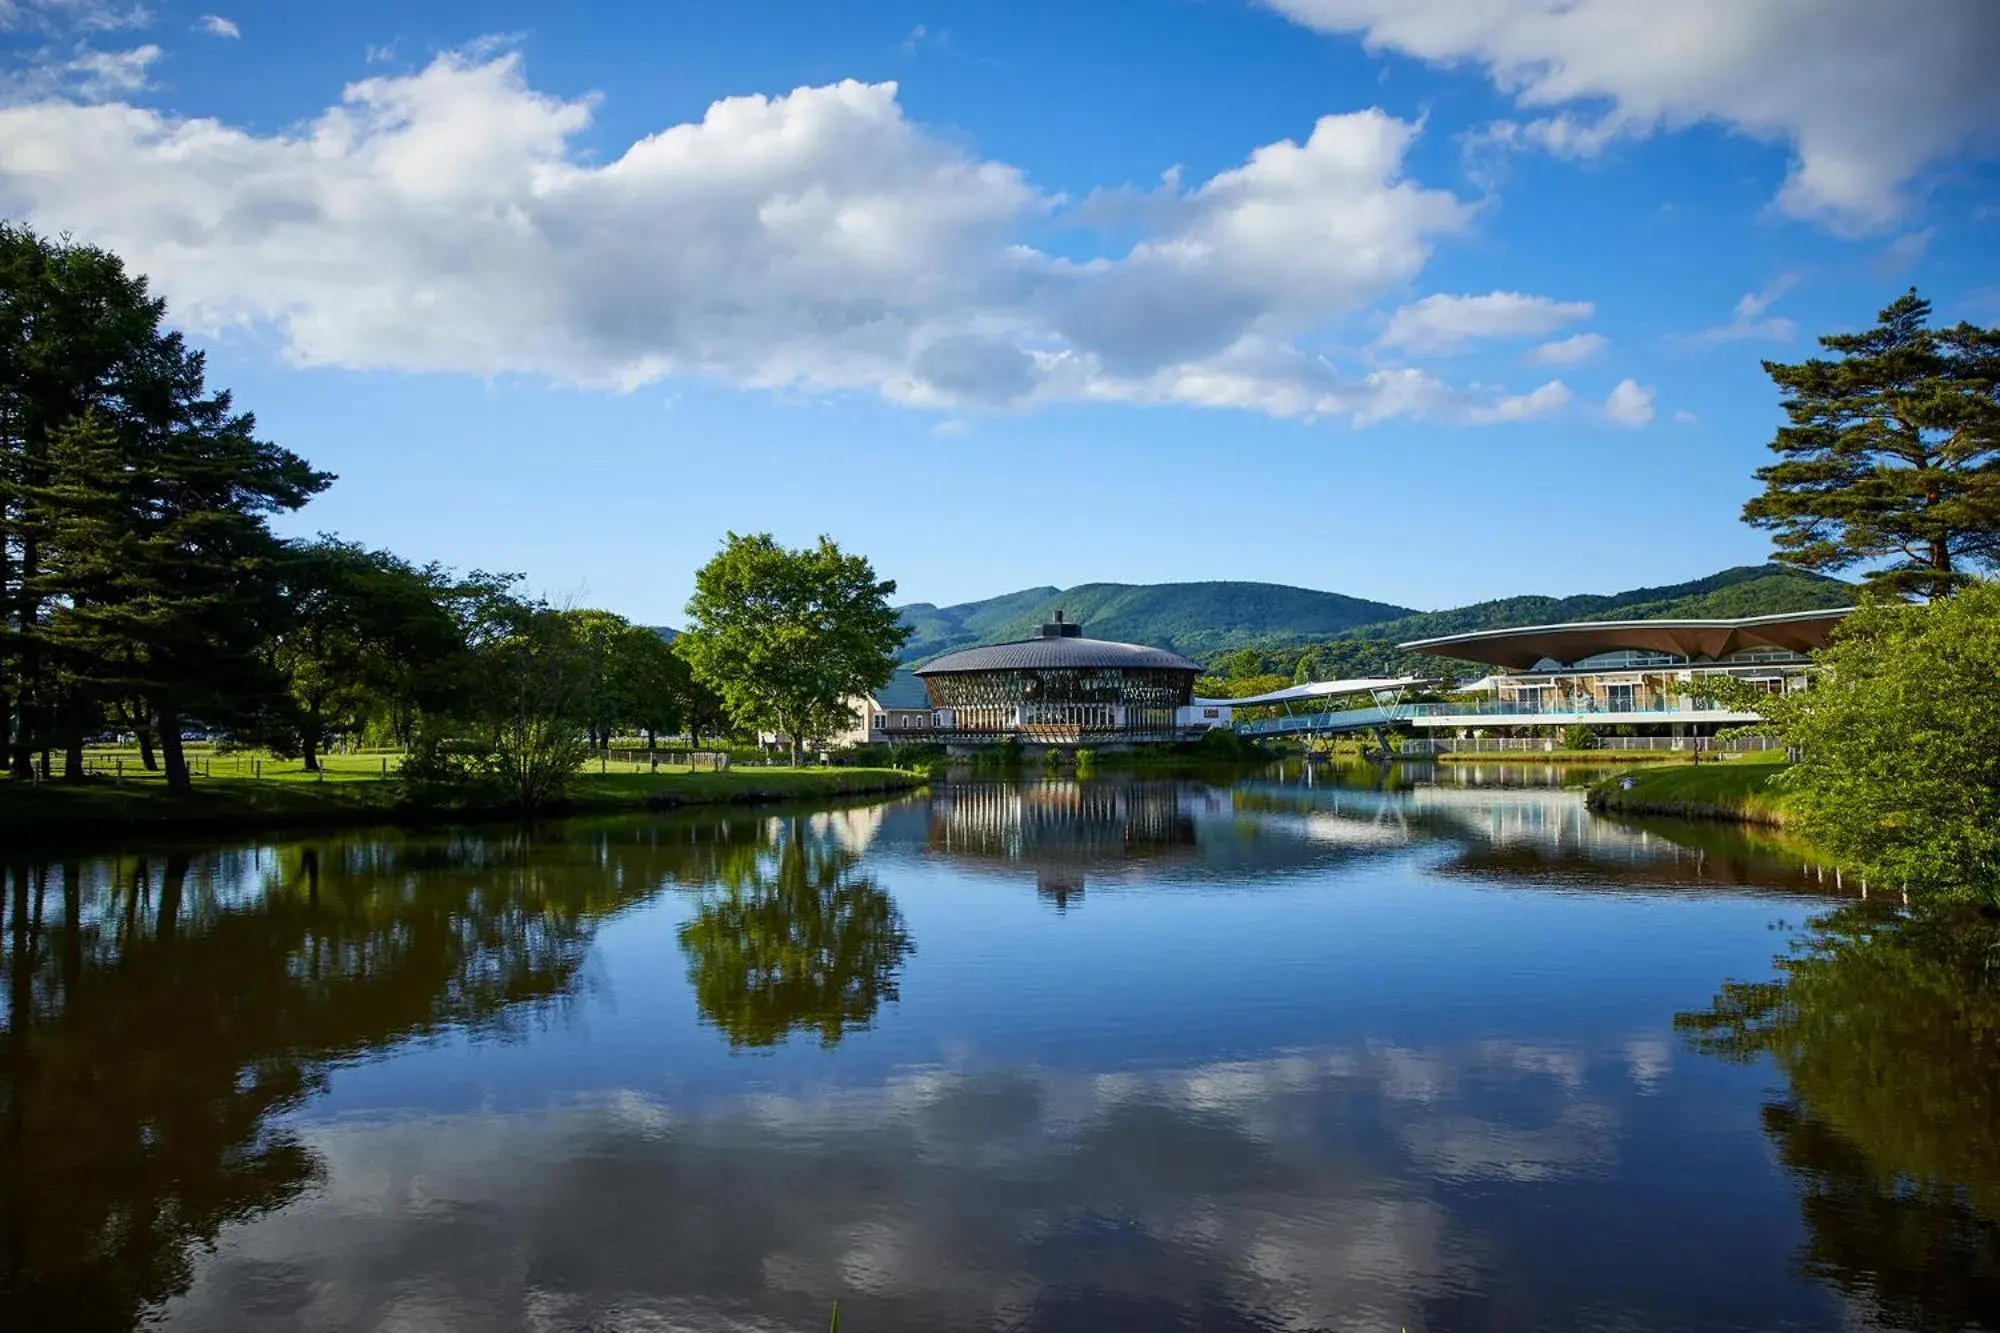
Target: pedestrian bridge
1324	707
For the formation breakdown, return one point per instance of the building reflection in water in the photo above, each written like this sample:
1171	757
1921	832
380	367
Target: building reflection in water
1067	833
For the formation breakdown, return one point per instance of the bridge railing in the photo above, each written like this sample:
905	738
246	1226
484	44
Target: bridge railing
1346	719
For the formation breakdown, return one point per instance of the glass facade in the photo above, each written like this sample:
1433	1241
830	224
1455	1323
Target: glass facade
1061	703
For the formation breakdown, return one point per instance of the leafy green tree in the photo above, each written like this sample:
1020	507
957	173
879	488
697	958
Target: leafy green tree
795	942
649	682
1238	687
359	624
1892	454
787	638
1899	743
532	699
1579	736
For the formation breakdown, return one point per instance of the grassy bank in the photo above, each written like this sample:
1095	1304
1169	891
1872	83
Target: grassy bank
1740	790
101	808
1595	758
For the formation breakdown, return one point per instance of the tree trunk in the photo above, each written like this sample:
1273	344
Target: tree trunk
72	962
143	728
32	706
796	744
309	738
73	755
170	746
170	892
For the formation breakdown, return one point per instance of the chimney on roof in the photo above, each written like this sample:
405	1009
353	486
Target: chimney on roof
1059	629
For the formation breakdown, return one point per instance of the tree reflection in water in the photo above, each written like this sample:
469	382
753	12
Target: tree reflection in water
794	942
1887	1030
164	1012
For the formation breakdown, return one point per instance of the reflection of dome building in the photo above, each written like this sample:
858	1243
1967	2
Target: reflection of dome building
1065	831
1059	688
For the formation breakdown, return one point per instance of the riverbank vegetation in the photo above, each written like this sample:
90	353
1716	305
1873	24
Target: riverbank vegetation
1748	790
43	813
1889	462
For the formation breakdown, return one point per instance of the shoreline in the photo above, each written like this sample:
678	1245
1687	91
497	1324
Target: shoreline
1731	791
55	812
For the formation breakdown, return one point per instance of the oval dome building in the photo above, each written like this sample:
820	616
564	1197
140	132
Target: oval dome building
1059	688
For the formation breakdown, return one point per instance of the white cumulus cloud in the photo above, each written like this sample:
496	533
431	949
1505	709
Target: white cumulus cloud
1569	351
1750	318
441	220
1867	94
1630	404
1520	407
1444	323
217	26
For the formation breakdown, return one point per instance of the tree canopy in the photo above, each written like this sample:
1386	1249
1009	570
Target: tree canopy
787	638
1891	456
1899	741
133	508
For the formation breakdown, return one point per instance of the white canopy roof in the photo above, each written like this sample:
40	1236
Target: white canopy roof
1318	689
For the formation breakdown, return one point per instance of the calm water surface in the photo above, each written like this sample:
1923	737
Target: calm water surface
1301	1052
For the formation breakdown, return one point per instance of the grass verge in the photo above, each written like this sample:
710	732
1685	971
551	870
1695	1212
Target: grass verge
52	811
1595	758
1744	791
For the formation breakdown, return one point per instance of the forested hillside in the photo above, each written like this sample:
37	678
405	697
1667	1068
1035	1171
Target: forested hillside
1265	628
1746	590
1199	619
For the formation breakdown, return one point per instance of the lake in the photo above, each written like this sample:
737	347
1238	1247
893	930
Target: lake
1423	1050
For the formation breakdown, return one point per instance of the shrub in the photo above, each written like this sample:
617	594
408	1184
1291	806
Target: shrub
1579	736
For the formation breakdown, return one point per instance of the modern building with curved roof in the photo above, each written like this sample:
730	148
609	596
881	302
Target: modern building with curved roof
1640	676
1059	688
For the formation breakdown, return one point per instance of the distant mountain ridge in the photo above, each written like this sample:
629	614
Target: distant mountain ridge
1206	620
1198	619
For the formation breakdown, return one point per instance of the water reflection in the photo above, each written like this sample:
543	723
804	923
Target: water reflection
1887	1031
1298	1065
164	1012
1288	1193
798	941
1066	832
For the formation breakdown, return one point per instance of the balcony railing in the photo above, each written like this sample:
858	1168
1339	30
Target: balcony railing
1566	707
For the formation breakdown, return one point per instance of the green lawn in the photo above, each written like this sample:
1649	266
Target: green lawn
1598	758
1740	789
352	793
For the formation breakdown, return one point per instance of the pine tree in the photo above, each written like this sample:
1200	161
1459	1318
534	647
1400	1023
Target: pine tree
73	326
1891	460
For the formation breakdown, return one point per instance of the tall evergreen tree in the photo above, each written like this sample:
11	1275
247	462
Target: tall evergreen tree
1892	454
74	328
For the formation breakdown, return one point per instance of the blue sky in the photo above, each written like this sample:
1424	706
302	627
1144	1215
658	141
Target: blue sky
1417	300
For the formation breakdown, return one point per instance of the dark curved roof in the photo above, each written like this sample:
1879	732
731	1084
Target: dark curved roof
1046	653
1521	648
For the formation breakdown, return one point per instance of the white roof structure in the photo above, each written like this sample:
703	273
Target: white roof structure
1318	689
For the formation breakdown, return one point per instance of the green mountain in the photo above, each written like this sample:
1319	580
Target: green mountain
1343	635
1199	619
1746	590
